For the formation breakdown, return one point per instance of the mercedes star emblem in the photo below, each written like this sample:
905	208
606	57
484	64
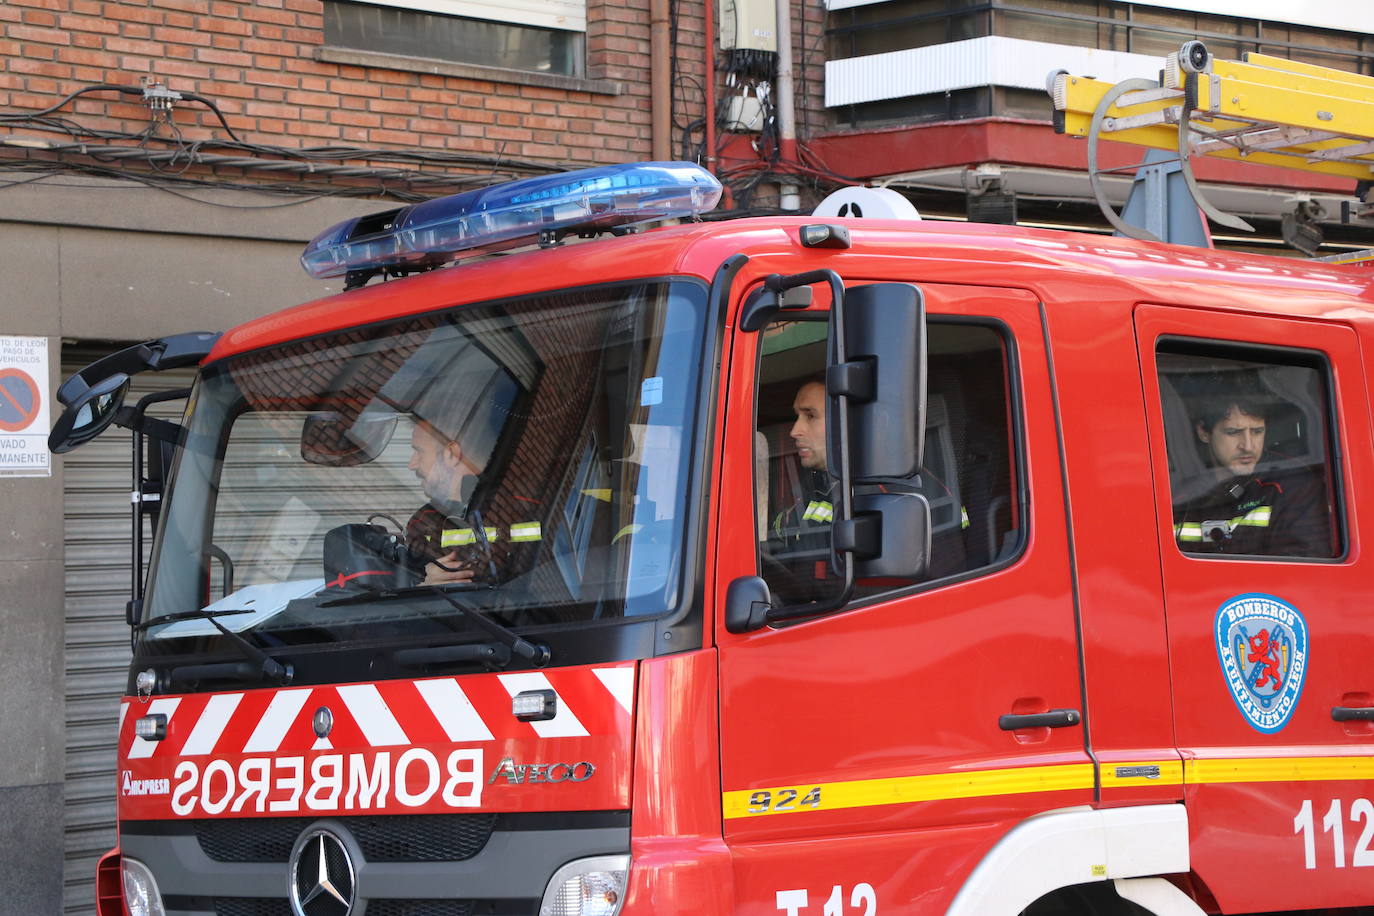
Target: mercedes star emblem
322	879
323	722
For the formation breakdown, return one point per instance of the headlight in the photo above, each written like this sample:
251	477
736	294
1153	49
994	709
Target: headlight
141	895
587	887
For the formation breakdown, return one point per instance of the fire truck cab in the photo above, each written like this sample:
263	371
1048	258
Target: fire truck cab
777	566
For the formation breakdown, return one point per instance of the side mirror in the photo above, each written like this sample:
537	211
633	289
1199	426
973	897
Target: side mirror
883	372
88	413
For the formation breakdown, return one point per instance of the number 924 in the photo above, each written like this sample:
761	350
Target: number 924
767	801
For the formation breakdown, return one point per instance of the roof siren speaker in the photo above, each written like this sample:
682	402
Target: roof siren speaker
871	203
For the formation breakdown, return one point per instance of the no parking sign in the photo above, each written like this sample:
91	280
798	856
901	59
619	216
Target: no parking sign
24	407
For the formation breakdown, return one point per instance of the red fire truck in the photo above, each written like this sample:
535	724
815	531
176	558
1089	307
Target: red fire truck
778	566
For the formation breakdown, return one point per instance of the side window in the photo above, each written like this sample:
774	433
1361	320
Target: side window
1248	438
968	475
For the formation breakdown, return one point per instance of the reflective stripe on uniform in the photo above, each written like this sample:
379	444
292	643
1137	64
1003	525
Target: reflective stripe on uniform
525	531
818	510
1188	531
1191	532
461	537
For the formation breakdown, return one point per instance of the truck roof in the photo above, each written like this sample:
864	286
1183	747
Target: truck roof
1039	260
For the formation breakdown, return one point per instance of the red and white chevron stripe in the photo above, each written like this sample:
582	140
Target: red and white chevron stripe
382	714
239	733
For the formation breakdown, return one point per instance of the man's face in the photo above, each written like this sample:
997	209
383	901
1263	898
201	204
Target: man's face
1236	441
808	432
436	461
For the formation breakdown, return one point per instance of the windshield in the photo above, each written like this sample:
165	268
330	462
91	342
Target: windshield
529	457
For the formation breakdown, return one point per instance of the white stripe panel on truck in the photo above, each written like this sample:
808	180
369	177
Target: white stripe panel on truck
621	683
280	713
210	726
372	715
453	709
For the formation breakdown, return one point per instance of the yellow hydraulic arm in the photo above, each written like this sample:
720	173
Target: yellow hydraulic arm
1262	109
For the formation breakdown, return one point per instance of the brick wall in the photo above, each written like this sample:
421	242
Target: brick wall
258	60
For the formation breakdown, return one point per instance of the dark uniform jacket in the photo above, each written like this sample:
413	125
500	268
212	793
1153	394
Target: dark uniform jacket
1268	514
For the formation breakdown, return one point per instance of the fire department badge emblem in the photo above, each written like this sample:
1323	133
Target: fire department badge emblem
1262	646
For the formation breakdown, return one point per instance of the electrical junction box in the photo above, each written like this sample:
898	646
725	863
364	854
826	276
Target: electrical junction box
748	25
745	114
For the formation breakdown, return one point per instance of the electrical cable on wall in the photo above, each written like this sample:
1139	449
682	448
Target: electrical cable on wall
749	74
168	157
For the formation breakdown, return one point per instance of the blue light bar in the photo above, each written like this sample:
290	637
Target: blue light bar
510	214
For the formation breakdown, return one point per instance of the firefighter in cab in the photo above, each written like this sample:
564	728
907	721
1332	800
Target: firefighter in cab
1248	502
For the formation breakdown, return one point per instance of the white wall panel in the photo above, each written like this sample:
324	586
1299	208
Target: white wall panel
990	61
1341	15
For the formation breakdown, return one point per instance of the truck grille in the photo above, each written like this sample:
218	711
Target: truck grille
394	838
472	864
260	906
419	907
251	906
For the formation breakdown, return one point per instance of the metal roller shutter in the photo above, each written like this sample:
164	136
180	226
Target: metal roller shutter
97	541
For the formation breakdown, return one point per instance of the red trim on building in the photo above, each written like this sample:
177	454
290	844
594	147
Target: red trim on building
1012	141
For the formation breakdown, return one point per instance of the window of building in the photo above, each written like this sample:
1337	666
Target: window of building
1248	434
544	36
968	476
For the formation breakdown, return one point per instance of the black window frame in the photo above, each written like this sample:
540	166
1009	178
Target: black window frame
1311	358
1020	490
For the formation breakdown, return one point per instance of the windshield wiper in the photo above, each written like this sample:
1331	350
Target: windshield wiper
262	667
510	644
537	654
189	615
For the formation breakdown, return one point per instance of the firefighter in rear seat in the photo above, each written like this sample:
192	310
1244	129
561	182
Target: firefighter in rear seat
1249	505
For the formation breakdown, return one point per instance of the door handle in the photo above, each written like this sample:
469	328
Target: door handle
1351	713
1055	718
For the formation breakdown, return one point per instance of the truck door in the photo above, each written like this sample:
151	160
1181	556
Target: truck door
1261	453
863	764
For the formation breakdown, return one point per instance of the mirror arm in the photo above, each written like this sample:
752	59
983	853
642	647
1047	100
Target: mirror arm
844	516
136	419
171	352
131	418
763	303
145	498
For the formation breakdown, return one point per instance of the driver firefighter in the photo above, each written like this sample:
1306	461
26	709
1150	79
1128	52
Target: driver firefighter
449	533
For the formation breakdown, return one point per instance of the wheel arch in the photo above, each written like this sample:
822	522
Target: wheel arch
1132	846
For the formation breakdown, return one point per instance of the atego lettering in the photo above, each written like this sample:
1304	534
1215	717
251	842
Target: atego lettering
520	773
329	782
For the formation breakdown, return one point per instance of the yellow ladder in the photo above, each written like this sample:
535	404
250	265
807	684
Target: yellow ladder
1262	109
